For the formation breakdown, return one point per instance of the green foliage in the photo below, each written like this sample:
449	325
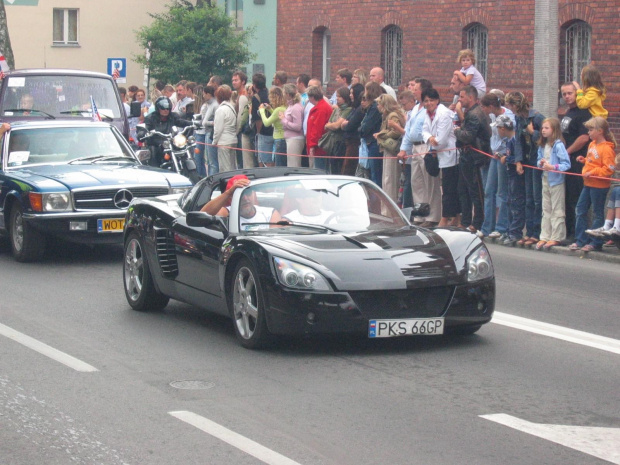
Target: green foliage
193	42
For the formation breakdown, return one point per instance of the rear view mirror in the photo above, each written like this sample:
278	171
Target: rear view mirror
204	220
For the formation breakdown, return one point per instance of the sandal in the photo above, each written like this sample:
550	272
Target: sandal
531	241
588	248
540	245
522	241
574	246
550	244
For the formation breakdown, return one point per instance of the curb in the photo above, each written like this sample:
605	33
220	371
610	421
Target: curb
609	254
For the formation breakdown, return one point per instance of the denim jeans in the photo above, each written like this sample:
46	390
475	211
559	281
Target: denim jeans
279	146
516	202
199	155
265	149
533	201
495	196
213	166
407	192
376	164
595	197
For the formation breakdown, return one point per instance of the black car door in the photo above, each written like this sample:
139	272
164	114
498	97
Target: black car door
198	249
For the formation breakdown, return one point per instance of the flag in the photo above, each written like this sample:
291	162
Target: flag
96	115
4	66
116	74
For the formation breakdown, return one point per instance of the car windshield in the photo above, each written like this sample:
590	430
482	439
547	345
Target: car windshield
34	146
317	205
64	96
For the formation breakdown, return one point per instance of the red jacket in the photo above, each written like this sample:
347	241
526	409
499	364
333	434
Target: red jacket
317	119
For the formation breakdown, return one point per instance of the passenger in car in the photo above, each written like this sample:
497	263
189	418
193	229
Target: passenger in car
309	208
249	210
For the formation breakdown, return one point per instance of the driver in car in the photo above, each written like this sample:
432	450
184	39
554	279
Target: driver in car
309	208
249	210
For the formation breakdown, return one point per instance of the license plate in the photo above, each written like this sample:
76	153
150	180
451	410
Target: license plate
110	225
406	327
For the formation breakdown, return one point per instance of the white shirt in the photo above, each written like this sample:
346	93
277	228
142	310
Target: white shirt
389	90
263	215
296	217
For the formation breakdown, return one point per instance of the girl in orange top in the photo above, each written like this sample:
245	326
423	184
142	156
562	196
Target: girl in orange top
597	163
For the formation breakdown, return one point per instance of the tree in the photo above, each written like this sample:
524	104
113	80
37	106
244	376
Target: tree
192	42
5	40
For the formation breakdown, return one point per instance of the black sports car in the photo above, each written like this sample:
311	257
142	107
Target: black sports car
304	253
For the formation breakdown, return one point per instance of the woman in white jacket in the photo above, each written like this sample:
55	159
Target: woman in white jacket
225	130
438	134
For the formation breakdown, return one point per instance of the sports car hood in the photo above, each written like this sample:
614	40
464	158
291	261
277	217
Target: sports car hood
401	259
77	176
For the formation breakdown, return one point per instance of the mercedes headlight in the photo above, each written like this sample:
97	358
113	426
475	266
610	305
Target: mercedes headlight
297	276
479	265
52	202
179	190
180	141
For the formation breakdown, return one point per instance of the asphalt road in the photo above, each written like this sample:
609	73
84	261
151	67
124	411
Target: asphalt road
334	401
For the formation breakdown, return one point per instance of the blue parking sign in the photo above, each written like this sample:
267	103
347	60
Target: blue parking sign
117	68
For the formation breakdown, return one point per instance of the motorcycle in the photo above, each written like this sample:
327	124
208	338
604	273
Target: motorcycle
177	147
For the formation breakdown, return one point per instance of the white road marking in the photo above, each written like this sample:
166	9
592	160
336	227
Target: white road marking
46	350
603	443
234	439
558	332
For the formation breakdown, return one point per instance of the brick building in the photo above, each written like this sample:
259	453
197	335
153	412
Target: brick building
423	37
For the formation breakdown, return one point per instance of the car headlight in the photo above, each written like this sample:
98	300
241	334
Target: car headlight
52	202
298	276
179	140
479	265
179	190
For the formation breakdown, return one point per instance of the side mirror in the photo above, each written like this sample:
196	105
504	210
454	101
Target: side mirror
135	109
204	220
197	120
141	131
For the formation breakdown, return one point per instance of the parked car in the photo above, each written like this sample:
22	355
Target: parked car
36	94
73	180
355	264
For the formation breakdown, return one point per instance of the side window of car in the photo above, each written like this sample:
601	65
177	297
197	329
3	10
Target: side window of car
204	196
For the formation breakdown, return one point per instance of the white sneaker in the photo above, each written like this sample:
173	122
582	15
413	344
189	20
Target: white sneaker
598	232
495	234
611	232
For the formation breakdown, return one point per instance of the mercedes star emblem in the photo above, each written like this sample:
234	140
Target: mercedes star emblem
122	199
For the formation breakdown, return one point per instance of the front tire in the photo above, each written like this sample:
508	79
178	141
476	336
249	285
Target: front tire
247	307
137	280
27	244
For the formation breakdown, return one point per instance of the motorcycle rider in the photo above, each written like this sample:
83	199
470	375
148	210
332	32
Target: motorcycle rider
162	120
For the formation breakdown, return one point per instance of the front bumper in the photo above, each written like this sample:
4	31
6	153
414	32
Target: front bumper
58	225
298	312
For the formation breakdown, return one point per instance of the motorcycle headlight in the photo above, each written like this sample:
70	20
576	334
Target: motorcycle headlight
52	202
479	265
180	141
297	276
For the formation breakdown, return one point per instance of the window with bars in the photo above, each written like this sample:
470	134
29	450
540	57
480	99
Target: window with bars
393	55
577	48
65	27
476	39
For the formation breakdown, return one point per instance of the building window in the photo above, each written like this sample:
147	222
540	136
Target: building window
321	53
327	55
392	55
476	39
234	9
576	41
65	26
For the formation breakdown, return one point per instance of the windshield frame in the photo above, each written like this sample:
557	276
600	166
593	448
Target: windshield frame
125	149
234	222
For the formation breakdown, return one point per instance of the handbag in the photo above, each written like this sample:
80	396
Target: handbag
431	163
328	141
390	145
